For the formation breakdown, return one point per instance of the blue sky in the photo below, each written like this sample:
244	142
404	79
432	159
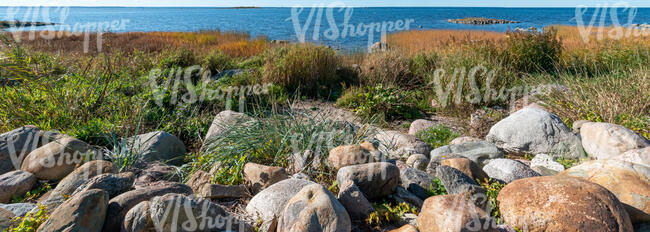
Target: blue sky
289	3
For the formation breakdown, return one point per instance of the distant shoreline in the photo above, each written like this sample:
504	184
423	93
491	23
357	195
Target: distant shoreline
226	7
240	7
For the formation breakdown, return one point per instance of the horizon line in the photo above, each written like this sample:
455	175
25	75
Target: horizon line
258	7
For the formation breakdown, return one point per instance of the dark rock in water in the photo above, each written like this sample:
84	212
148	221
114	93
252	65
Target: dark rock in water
480	21
16	23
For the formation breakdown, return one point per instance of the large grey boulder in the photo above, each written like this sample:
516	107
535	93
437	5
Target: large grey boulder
420	125
314	208
639	156
347	155
78	177
113	184
464	139
630	182
176	212
268	203
606	140
57	159
375	180
398	145
157	146
15	183
545	165
261	176
6	219
19	209
120	205
416	181
508	170
402	195
418	161
84	212
478	152
138	219
154	172
356	204
224	121
457	182
535	131
15	145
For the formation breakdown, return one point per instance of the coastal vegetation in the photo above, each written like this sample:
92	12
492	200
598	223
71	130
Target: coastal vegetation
178	87
54	85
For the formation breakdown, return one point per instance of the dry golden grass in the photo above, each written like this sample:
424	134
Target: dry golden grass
232	43
441	41
599	37
416	41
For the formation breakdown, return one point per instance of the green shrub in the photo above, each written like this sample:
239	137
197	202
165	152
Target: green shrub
217	61
529	52
424	63
386	213
391	69
437	136
493	188
31	221
436	188
183	58
379	102
34	194
305	68
567	163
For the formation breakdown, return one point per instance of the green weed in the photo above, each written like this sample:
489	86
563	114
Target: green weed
437	136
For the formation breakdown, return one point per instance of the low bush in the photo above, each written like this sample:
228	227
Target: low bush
217	61
437	136
389	68
305	68
436	188
386	213
528	52
182	57
31	221
379	102
493	187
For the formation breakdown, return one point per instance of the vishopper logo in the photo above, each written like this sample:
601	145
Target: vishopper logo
182	89
346	28
176	213
617	30
18	144
59	28
450	87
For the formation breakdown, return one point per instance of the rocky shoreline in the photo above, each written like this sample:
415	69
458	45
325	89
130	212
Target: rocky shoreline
608	190
480	21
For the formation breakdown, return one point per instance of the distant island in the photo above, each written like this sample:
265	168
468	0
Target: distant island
16	23
243	7
480	21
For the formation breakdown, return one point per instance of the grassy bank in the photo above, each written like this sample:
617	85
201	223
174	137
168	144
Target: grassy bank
55	85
